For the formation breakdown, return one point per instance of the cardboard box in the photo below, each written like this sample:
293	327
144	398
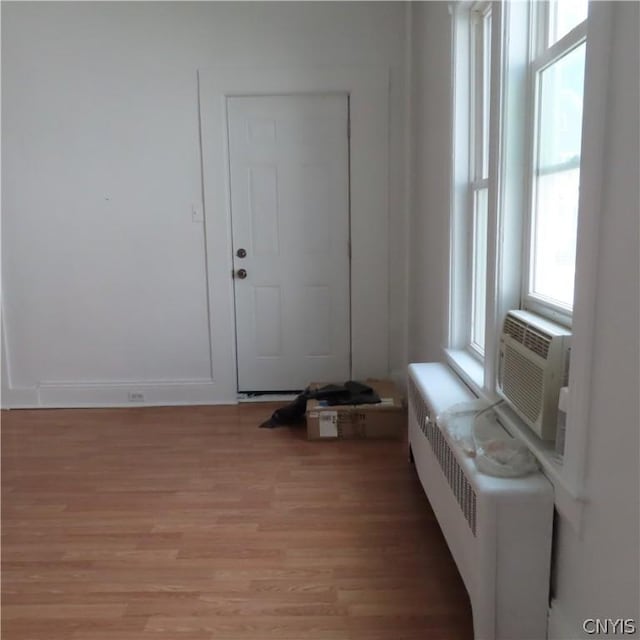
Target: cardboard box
384	420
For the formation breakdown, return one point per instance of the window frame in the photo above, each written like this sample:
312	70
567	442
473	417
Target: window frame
541	57
458	310
479	163
512	40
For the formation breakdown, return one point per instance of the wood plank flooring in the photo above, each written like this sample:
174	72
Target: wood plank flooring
191	524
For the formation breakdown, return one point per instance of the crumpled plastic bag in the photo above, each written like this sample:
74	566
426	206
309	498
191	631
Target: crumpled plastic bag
475	428
457	421
497	453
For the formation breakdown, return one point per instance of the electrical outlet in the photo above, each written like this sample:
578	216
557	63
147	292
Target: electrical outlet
135	396
197	213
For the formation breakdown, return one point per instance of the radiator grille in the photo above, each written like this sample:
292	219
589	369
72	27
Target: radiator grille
523	383
417	403
462	489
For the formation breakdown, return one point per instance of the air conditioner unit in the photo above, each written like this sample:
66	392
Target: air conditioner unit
532	368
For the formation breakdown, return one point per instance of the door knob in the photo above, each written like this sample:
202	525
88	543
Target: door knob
241	253
241	273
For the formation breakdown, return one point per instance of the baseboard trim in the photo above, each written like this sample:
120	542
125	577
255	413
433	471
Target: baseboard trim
119	394
19	398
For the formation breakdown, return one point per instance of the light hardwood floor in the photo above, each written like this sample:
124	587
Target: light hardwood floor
192	523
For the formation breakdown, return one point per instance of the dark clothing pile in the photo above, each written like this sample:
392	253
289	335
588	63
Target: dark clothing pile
350	392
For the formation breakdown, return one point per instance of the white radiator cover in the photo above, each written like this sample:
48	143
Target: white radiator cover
499	530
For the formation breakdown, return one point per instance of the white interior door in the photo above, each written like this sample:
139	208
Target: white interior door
289	166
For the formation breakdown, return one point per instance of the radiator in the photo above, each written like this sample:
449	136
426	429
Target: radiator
499	530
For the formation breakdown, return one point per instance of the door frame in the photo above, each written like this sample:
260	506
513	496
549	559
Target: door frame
368	91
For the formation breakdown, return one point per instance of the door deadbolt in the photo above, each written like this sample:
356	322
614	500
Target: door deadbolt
241	273
241	253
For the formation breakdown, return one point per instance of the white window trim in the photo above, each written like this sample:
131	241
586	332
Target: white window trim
456	309
504	242
478	143
463	184
468	368
542	58
569	477
590	208
559	49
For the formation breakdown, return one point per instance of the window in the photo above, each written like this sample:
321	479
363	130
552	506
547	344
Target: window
563	16
516	172
470	211
480	92
515	202
557	75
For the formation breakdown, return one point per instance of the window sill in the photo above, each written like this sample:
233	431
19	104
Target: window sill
469	368
568	499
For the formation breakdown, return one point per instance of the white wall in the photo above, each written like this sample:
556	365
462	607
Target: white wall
431	154
104	285
595	571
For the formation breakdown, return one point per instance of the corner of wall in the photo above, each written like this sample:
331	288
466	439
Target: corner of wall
399	378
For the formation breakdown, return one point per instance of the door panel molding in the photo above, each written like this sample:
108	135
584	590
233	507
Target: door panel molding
368	90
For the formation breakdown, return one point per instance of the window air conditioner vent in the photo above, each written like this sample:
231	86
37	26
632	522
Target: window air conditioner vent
533	366
537	341
515	328
523	383
534	339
